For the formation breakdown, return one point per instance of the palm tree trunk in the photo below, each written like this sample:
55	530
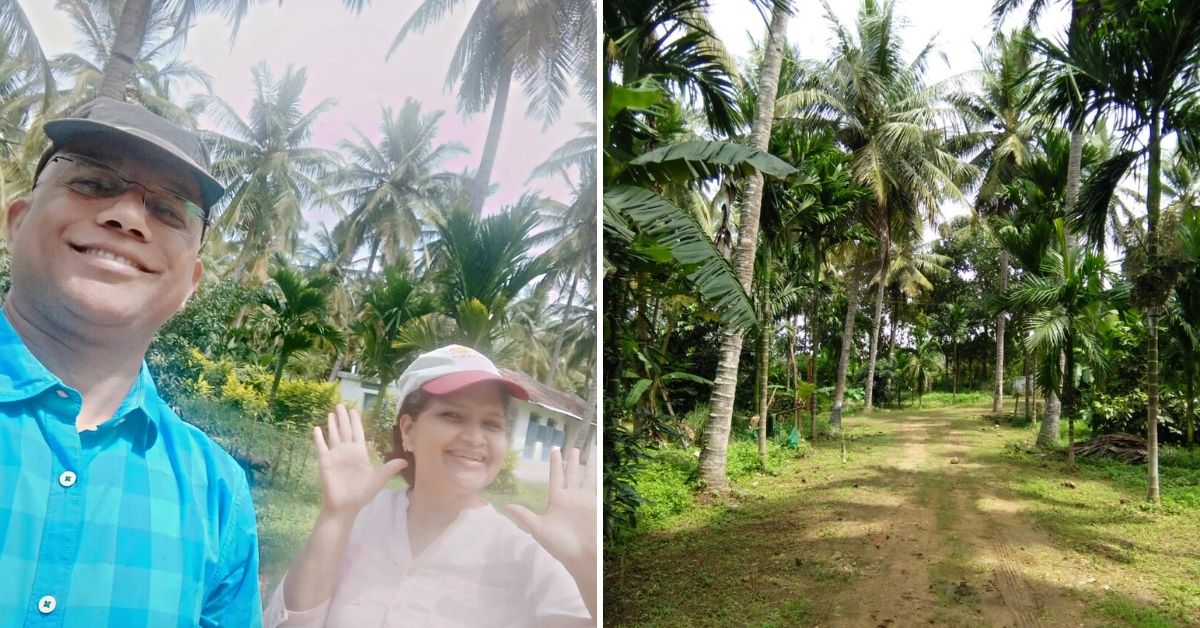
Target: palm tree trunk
716	430
483	176
1191	405
794	373
380	398
764	361
998	391
1048	434
1068	400
839	389
1028	367
556	355
1153	195
337	366
283	355
131	31
954	395
869	403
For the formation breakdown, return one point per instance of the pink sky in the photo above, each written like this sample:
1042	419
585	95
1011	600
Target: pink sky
344	55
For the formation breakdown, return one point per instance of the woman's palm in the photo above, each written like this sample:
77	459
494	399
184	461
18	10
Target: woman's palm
348	478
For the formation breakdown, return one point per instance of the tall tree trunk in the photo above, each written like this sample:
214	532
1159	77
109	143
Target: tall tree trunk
839	388
1153	196
716	430
1069	397
1048	434
283	356
998	391
764	362
1028	383
561	336
1191	405
337	366
131	32
483	176
794	372
886	244
954	395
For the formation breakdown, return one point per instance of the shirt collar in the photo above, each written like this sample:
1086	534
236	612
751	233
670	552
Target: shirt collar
23	376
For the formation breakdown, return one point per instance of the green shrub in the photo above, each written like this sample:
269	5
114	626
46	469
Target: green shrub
506	481
243	396
664	482
176	366
301	403
743	461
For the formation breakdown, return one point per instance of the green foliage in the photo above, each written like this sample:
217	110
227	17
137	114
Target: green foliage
743	460
506	483
176	366
664	482
300	403
1126	412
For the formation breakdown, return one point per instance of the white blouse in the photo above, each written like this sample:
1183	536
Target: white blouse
482	570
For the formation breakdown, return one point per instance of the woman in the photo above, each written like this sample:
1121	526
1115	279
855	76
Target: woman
436	554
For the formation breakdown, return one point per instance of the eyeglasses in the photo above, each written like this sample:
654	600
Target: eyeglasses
100	181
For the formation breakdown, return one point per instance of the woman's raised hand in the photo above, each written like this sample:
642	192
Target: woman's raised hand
348	478
568	528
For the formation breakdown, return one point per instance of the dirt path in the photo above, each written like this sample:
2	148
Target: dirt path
913	529
961	552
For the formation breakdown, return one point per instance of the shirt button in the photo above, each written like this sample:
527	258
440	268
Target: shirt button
47	604
67	478
61	393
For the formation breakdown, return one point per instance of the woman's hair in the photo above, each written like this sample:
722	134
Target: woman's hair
413	405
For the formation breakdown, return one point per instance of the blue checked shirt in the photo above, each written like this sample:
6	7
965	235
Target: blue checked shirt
141	522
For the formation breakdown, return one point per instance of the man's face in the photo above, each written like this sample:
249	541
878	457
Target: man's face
102	262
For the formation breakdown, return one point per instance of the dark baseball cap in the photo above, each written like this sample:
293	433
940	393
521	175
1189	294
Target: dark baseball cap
178	145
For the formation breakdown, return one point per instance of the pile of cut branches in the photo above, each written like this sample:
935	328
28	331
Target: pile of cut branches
1118	446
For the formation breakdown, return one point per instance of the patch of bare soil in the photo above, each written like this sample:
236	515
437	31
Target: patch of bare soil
954	549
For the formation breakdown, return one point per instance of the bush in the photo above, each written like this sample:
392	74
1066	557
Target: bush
506	481
664	481
243	396
1127	413
743	461
176	366
301	403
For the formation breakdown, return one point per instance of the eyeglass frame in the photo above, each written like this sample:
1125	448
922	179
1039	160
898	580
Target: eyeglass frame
204	214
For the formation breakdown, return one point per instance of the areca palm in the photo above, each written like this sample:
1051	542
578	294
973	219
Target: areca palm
543	44
1071	295
268	166
894	126
1139	64
481	265
391	307
293	315
391	187
21	42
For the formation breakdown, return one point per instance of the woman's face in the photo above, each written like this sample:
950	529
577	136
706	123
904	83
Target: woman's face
458	441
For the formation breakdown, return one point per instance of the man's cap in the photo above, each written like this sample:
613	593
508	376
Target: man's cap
105	115
452	368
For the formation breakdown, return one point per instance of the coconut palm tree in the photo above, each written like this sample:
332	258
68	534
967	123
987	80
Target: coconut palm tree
892	123
392	188
268	166
541	44
922	364
21	43
1005	126
716	429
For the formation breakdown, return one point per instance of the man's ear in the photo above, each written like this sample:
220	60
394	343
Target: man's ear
197	273
17	211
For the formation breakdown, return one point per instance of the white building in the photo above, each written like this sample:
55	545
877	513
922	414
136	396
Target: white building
550	418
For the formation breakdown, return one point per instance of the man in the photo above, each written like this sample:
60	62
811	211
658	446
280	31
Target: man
113	511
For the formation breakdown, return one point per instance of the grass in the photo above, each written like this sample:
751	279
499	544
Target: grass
789	547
